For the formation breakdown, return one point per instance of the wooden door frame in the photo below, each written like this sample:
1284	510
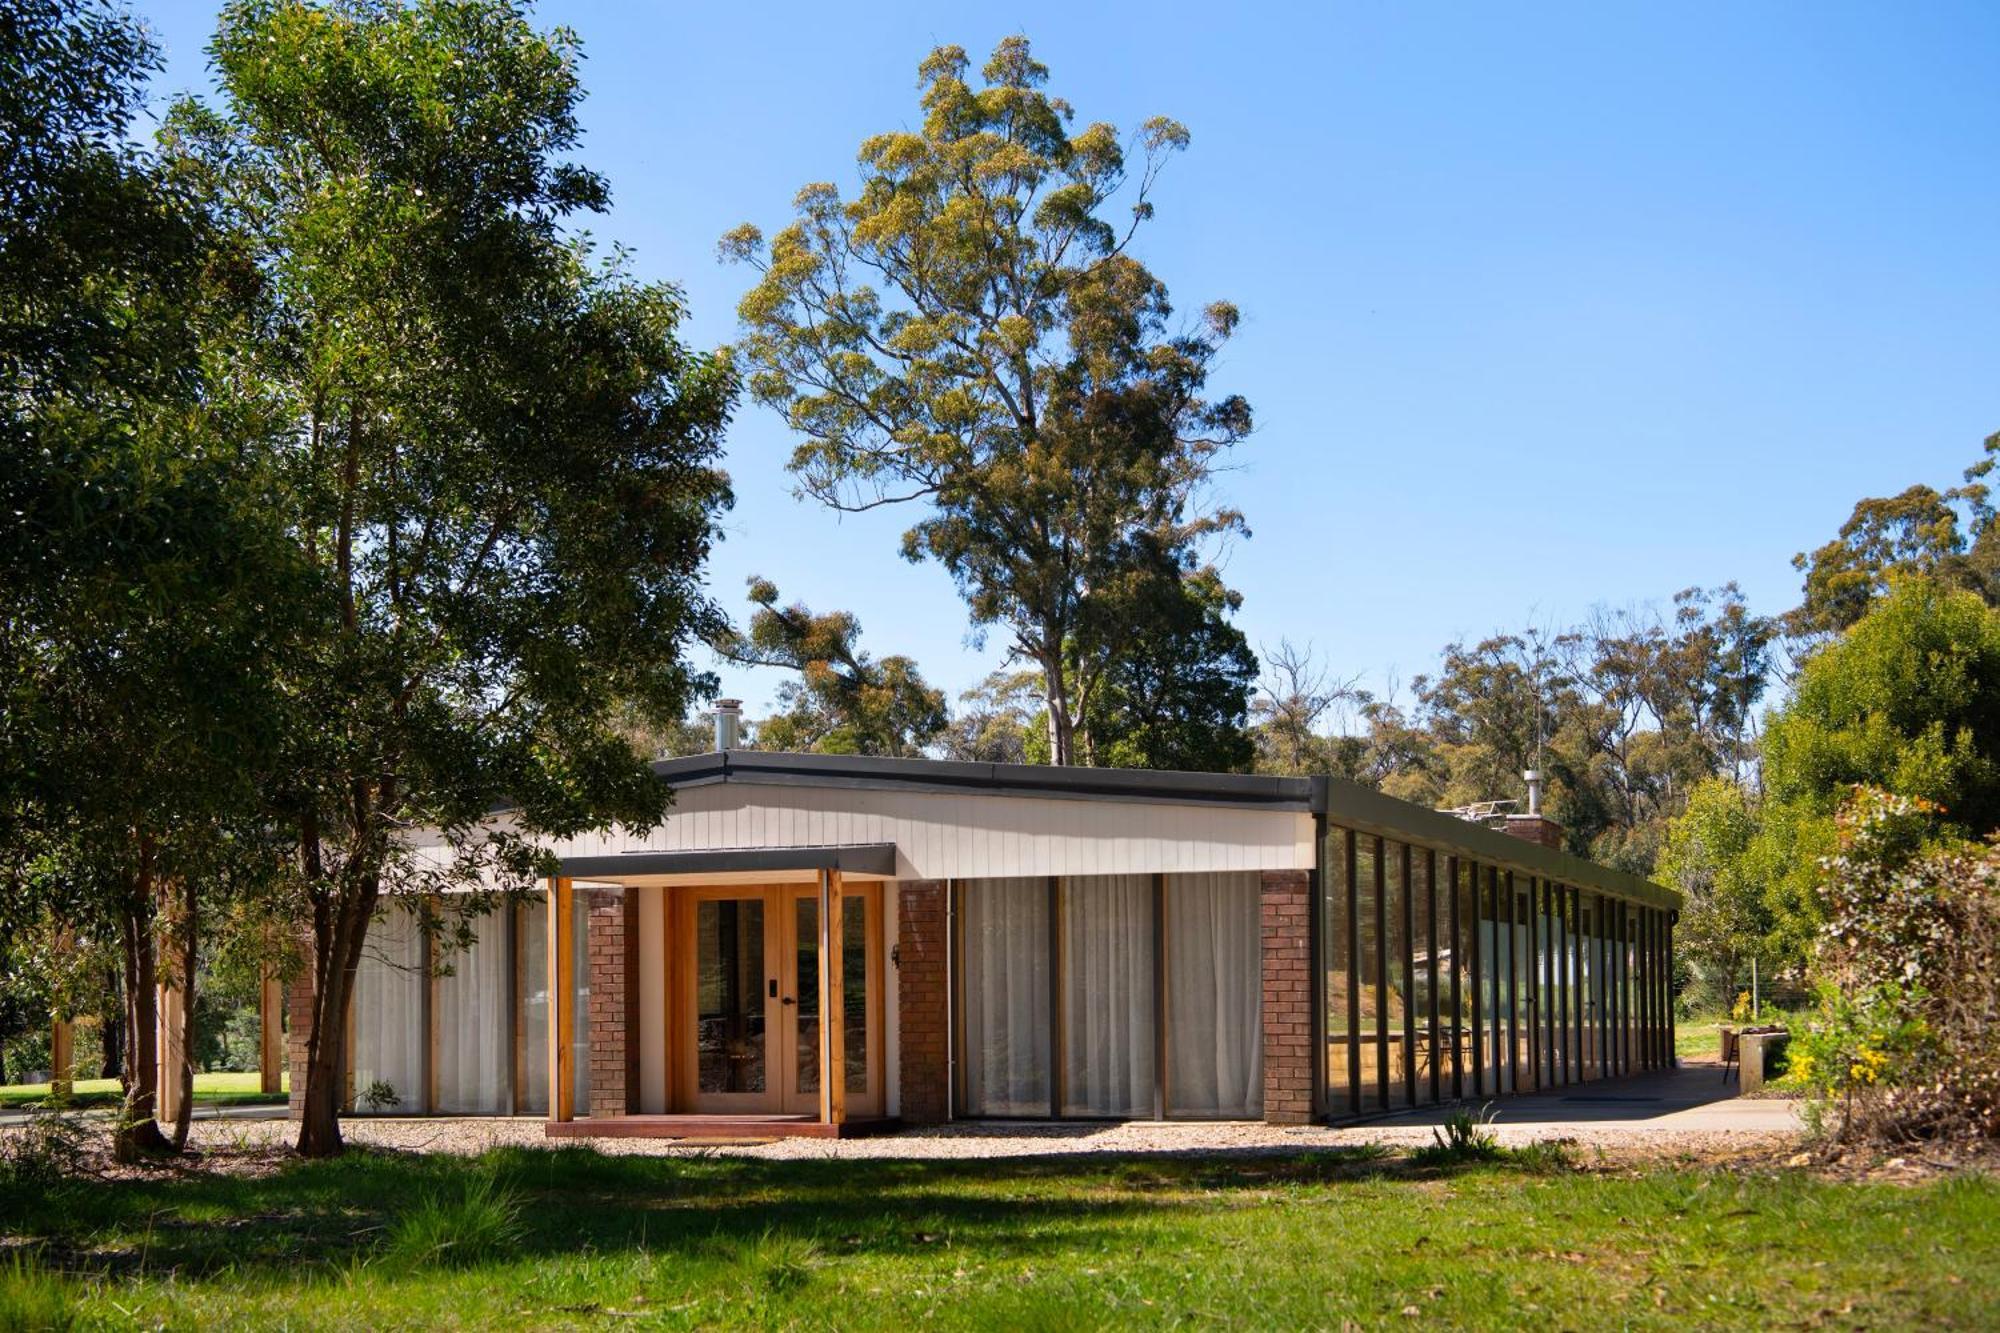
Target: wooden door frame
780	964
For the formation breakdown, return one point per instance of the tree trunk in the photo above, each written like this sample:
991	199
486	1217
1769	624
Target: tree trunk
189	939
138	1134
1055	695
337	940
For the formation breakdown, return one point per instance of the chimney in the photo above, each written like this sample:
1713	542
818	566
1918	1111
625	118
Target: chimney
728	722
1534	826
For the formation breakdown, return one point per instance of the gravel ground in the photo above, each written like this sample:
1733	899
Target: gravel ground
1617	1141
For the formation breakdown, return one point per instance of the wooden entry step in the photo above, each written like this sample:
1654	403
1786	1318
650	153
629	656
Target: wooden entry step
715	1127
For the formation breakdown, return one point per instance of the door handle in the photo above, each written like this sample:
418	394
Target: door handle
790	1000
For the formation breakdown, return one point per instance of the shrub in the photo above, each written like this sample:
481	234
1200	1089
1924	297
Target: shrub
1906	1040
481	1222
1461	1139
380	1096
45	1152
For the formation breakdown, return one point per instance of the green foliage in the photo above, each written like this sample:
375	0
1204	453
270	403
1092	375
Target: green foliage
1904	1042
1463	1138
37	1299
1908	700
490	449
845	701
1727	917
1177	695
475	1224
1625	715
999	721
45	1152
1944	537
970	331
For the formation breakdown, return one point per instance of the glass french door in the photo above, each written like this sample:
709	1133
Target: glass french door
750	1007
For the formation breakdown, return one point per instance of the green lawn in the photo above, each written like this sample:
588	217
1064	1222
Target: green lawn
566	1237
209	1089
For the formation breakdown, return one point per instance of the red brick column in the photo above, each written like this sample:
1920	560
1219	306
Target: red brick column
614	991
298	1031
1288	1025
922	1011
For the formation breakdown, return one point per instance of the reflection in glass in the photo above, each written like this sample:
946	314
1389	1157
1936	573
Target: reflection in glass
729	995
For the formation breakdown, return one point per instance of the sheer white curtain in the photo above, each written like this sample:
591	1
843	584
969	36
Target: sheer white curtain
534	993
1108	995
1215	985
471	1011
1005	928
389	1014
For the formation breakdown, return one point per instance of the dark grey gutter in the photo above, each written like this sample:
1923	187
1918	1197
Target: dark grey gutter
1344	802
873	858
943	777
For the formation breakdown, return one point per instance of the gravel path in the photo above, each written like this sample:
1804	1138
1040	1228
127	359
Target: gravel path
1618	1140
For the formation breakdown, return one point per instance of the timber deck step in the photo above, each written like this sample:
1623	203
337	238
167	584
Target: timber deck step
715	1127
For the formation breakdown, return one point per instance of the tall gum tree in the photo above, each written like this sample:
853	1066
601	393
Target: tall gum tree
142	580
496	456
971	332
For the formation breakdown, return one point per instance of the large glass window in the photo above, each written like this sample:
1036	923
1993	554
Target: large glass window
1215	960
388	1056
1396	1006
1368	920
534	1011
1004	929
1425	973
474	1054
1108	996
1336	936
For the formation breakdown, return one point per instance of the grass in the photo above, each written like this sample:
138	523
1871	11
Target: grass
209	1090
565	1237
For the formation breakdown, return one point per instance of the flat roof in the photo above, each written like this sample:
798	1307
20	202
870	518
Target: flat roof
1338	800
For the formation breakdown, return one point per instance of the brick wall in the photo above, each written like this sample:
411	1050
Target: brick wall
922	943
1535	828
1287	924
298	1029
614	987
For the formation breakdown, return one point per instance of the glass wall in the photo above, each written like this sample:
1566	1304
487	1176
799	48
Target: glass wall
1449	977
1215	966
387	1058
1339	980
1008	1010
464	1030
1114	996
1107	996
475	1058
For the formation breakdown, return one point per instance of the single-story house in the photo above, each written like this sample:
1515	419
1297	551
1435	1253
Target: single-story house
1013	941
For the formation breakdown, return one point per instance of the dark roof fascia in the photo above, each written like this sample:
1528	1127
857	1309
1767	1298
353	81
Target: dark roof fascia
1344	802
874	858
1351	805
947	777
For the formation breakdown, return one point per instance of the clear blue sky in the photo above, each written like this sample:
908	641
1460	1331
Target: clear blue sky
1544	306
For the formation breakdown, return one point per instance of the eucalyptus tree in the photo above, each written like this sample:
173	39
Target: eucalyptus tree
497	459
972	332
845	700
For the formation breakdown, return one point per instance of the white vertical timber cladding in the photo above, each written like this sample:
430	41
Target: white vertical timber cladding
974	835
651	1033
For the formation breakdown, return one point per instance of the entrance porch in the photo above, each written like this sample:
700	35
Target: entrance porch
708	977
